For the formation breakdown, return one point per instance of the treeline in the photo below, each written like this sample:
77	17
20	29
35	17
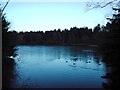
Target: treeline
73	36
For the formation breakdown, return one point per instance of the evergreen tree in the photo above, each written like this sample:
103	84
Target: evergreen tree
111	52
113	27
8	49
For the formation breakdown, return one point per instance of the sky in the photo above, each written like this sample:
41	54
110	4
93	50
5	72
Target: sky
45	16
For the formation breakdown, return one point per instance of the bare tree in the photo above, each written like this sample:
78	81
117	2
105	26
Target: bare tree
95	5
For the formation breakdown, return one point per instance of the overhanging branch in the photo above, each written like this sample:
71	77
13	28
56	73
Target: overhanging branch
5	5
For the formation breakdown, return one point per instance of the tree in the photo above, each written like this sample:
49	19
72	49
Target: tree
95	5
114	24
97	28
111	50
8	47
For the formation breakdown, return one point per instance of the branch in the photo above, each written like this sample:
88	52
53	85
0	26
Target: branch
105	4
98	5
5	5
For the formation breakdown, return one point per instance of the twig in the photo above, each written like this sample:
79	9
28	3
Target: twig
5	5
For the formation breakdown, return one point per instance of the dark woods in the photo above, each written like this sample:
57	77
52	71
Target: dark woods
106	37
8	50
74	36
6	40
111	50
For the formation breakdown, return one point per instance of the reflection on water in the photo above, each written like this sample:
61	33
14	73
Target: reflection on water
58	66
8	72
112	62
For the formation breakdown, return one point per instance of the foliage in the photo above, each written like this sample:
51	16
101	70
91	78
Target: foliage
111	51
8	47
73	36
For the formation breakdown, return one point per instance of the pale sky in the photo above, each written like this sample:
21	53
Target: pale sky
35	16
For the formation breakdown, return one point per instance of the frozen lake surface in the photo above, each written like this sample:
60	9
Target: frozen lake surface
58	67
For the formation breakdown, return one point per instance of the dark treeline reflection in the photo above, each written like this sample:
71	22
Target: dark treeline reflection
111	58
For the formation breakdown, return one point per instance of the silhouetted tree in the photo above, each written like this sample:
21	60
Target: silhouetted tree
7	46
8	50
97	28
111	52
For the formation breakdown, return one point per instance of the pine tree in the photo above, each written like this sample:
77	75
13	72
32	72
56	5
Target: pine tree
111	56
114	24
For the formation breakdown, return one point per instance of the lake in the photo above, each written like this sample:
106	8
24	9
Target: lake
58	67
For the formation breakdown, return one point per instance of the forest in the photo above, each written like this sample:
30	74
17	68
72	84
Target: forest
105	37
73	36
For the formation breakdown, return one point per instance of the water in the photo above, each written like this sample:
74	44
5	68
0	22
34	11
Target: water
58	67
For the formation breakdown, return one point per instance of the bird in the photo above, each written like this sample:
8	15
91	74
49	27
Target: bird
66	61
74	63
89	62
